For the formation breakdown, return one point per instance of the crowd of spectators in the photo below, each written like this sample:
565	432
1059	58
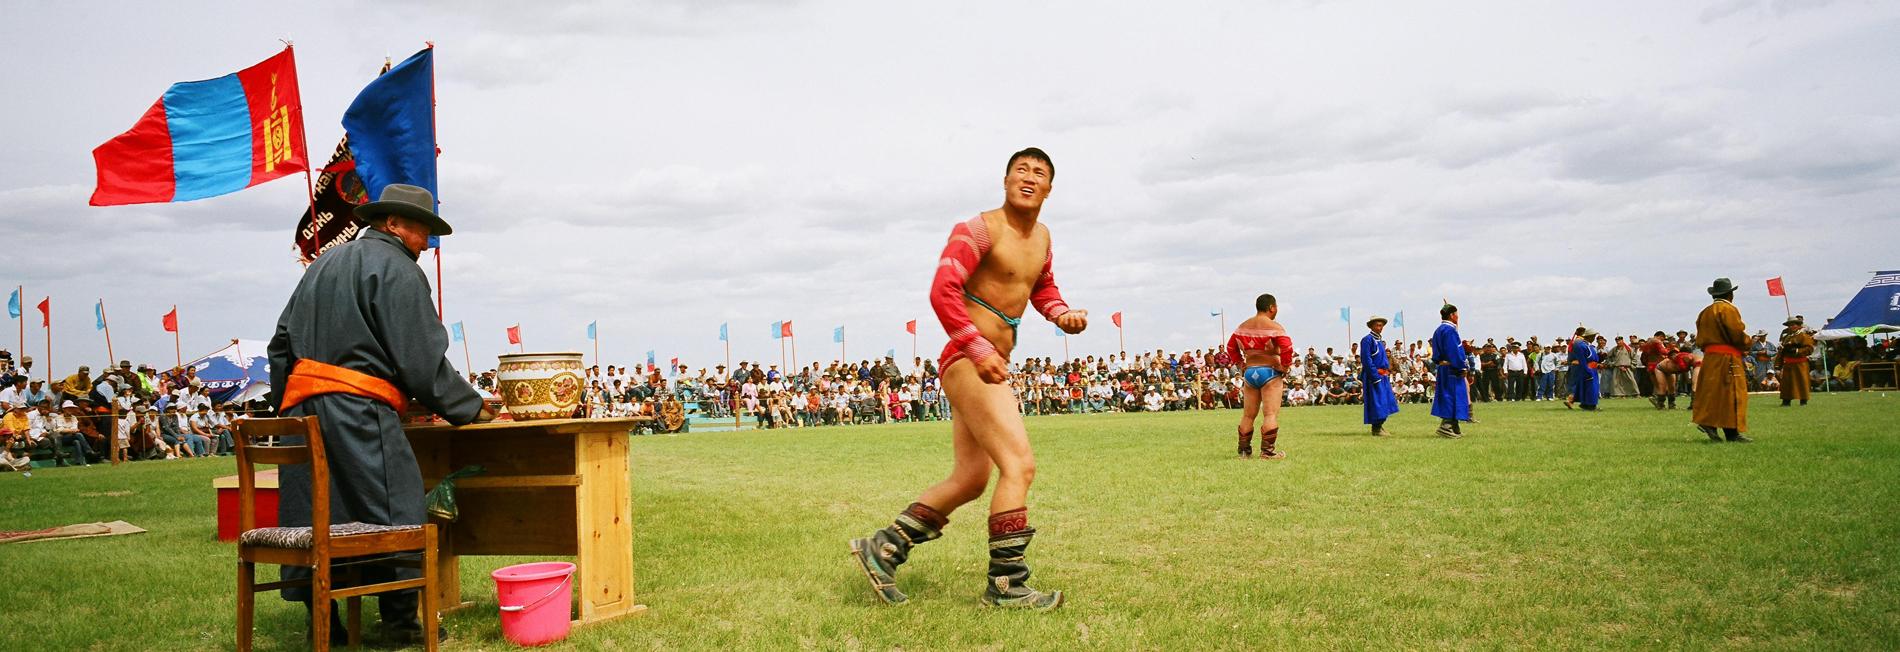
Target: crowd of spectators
141	413
121	413
880	391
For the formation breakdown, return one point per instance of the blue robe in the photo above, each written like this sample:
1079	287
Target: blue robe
1380	402
1450	396
1584	386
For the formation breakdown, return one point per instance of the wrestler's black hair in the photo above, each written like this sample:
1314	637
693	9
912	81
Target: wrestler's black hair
1264	303
1446	311
1580	330
1031	153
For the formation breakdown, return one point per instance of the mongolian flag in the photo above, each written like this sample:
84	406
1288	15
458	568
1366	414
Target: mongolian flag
392	127
208	138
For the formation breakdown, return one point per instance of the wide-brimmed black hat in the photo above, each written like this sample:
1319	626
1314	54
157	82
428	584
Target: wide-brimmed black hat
1722	286
409	201
1793	321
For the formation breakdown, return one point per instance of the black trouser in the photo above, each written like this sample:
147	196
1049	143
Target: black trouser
1491	386
1514	385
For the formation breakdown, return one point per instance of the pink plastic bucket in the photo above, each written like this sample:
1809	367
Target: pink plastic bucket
536	601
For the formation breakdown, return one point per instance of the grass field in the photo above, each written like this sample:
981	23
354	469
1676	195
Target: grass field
1541	529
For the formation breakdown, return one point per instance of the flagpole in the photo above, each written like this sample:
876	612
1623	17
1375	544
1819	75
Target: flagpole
467	362
107	326
177	348
841	344
49	343
22	294
438	154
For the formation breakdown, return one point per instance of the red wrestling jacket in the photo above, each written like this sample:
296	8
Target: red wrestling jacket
1260	339
969	243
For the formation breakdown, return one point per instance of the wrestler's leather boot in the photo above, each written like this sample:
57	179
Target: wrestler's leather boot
1009	574
880	554
1267	439
1246	442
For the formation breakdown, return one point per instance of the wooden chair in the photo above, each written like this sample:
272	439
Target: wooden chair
322	547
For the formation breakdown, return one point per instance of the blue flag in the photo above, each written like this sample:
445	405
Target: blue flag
591	332
1398	318
892	354
455	330
1345	315
722	332
391	127
99	315
1060	332
13	305
649	358
837	335
1215	313
778	330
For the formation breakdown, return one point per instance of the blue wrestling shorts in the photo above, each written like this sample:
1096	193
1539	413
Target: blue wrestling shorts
1258	377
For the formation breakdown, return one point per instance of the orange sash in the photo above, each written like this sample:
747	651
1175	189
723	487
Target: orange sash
311	378
1723	349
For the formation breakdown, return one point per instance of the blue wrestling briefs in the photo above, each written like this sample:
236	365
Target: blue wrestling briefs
1258	377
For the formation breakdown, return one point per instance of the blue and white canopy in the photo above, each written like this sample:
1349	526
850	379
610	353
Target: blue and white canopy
1875	310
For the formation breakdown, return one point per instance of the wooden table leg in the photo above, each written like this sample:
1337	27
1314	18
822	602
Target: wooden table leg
604	516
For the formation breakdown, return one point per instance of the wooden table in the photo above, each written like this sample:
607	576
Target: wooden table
552	487
1877	369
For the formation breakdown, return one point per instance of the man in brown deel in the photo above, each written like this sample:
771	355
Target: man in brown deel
1721	392
1796	346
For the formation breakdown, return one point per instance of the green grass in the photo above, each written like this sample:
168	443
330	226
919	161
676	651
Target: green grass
1541	529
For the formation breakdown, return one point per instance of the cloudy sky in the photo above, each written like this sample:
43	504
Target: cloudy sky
664	167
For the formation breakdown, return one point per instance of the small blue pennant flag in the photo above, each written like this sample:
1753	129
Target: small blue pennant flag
778	330
592	330
1345	315
722	332
1215	313
1398	318
13	305
649	358
837	335
891	353
455	330
99	315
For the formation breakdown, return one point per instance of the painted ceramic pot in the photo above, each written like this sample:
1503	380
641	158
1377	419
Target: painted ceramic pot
540	385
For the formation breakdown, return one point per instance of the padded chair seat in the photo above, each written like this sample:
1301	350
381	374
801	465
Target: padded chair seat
302	538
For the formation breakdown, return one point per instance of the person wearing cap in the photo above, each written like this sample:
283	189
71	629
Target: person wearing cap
1376	375
1721	387
77	385
1584	361
1796	346
357	340
63	429
1451	400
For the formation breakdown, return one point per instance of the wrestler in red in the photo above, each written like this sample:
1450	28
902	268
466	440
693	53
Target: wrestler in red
1261	345
993	267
